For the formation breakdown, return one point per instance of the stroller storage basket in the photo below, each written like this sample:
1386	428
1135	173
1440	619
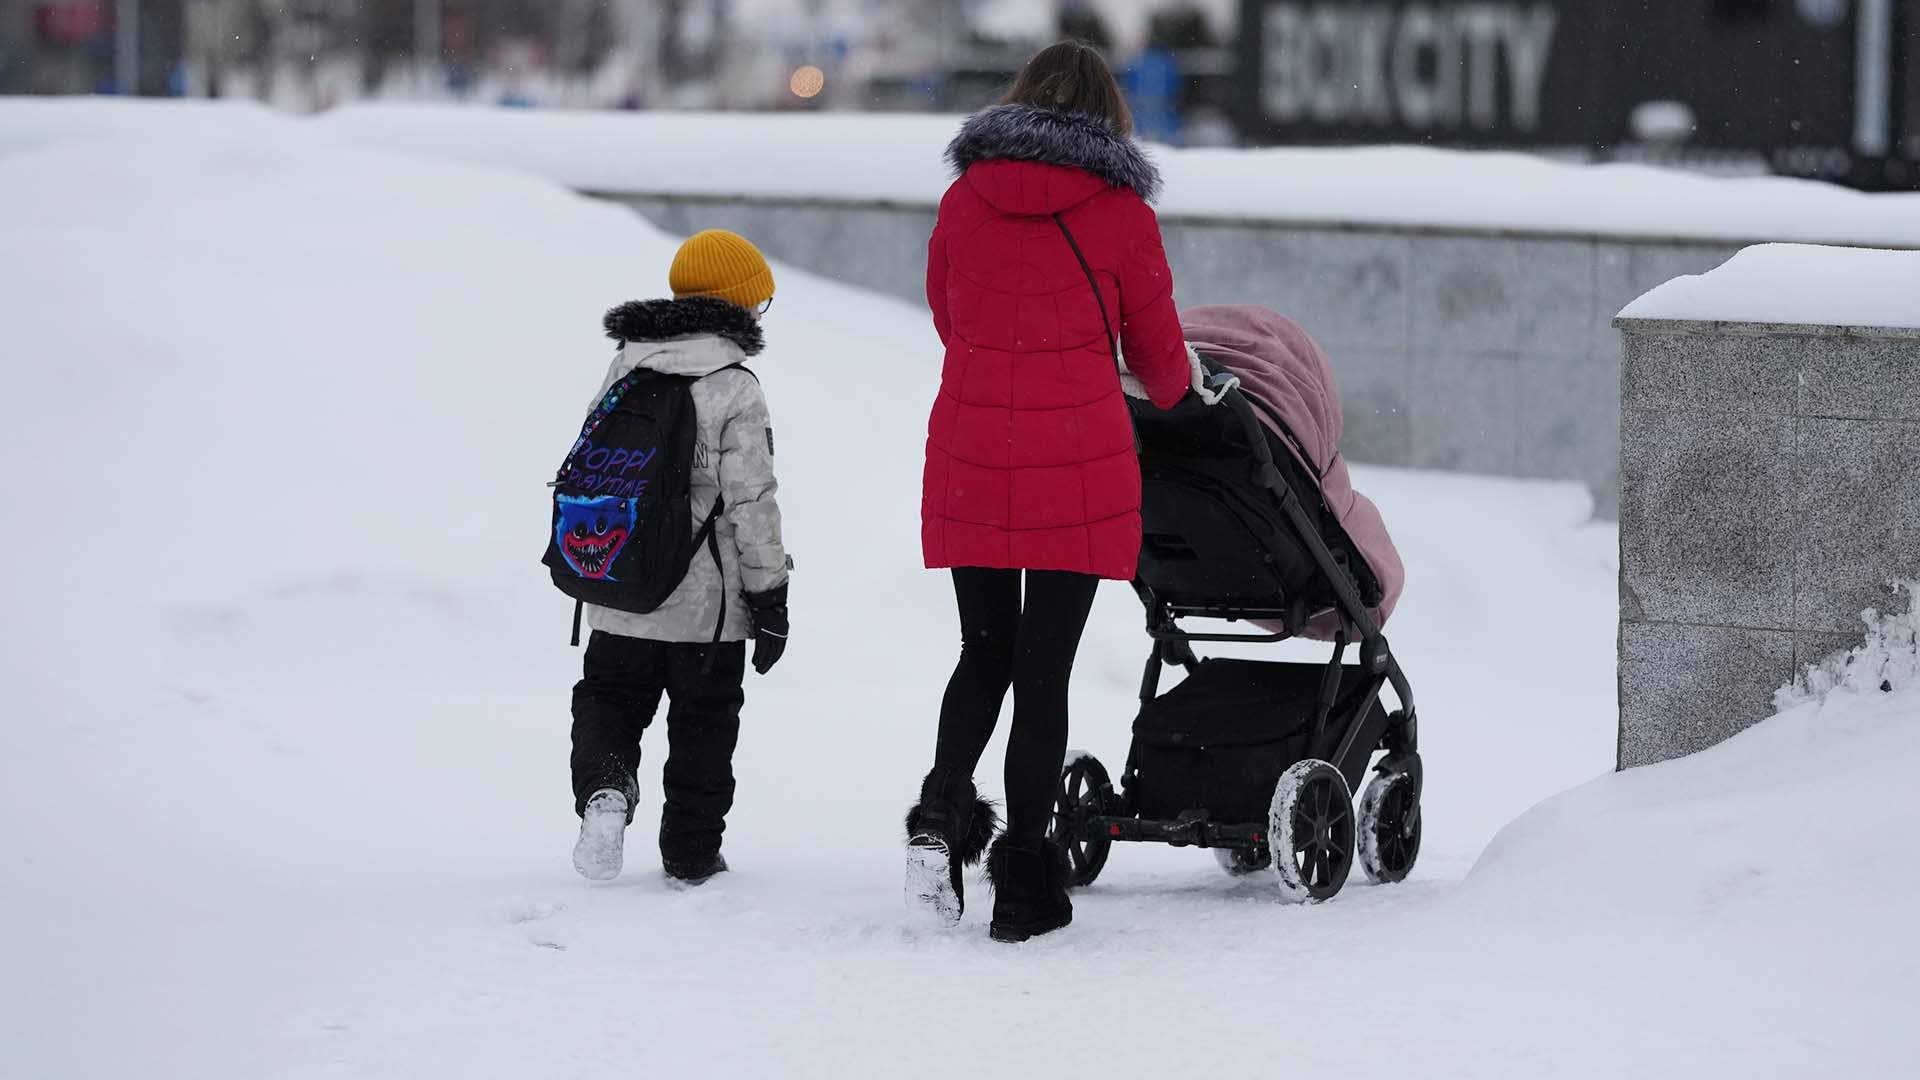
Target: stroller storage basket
1220	740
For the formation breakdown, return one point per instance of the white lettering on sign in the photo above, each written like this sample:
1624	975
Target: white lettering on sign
1421	66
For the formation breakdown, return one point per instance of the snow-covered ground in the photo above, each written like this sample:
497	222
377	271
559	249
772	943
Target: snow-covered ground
283	766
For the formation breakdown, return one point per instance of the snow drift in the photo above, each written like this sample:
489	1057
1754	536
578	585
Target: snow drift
1764	882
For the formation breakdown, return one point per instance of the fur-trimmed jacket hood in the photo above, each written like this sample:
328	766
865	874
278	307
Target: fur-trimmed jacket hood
1054	137
695	316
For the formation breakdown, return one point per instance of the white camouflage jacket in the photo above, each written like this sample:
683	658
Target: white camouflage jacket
733	457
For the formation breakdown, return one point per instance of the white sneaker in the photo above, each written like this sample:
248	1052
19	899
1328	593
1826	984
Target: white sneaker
603	832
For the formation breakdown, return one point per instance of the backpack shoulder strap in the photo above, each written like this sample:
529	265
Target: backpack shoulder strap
609	401
730	367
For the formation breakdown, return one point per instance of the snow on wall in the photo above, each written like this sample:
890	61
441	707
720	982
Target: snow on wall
897	158
1795	284
1886	662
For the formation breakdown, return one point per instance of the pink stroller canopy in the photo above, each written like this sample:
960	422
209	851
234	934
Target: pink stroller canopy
1282	367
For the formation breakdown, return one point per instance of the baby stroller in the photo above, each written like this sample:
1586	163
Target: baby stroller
1256	760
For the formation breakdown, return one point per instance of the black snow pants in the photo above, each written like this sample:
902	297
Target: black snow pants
617	698
1028	646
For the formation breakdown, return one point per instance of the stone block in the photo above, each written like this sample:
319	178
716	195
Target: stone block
1751	374
1349	289
1569	416
1553	297
1213	264
1706	529
1374	401
1685	688
881	249
1812	647
1357	288
1466	411
668	215
1857	515
1466	295
1864	378
1656	264
1612	291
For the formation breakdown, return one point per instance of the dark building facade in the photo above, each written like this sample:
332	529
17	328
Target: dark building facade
1822	88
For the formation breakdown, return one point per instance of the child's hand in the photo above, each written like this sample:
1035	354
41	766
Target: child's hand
769	611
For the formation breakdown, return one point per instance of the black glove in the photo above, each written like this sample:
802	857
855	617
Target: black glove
769	627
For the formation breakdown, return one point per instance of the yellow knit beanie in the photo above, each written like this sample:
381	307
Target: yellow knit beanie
723	265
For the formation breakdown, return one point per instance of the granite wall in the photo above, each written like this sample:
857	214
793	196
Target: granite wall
1769	492
1471	351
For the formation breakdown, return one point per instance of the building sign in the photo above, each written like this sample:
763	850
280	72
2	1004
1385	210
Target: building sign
1418	67
1815	87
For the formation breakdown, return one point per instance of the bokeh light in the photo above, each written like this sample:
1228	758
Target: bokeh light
807	81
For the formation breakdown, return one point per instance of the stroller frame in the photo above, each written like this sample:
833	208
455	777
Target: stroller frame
1090	815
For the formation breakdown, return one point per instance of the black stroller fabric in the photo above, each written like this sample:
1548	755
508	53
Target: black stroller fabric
1221	739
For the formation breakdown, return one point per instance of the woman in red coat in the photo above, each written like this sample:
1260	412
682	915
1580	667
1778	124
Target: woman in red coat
1031	475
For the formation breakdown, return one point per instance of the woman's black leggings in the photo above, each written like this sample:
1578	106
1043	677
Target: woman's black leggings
1027	647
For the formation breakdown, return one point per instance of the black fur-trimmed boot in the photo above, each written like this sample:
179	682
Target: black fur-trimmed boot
1029	889
947	830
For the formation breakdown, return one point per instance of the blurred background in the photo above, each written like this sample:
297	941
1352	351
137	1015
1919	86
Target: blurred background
1819	88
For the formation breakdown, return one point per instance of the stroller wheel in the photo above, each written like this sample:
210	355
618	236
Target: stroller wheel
1310	831
1085	792
1389	827
1243	861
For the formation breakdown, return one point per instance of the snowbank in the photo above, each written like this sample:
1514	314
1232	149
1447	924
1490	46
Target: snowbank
1795	284
1765	881
898	158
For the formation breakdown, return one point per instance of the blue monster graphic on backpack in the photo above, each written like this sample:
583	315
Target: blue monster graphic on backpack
621	534
592	530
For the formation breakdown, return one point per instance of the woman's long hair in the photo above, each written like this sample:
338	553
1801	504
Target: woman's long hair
1073	77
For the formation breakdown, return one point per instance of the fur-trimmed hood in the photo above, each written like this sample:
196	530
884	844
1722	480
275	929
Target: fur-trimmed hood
695	316
1054	137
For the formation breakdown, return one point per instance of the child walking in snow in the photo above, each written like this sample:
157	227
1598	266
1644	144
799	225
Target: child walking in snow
692	647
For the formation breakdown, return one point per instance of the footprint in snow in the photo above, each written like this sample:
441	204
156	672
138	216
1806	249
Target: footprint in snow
521	914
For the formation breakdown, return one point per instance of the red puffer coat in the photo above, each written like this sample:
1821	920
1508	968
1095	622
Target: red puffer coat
1030	451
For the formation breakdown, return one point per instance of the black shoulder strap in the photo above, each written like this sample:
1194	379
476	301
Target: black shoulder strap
708	536
730	367
1112	346
710	533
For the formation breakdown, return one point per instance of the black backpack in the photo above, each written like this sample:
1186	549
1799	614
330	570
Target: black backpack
622	534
